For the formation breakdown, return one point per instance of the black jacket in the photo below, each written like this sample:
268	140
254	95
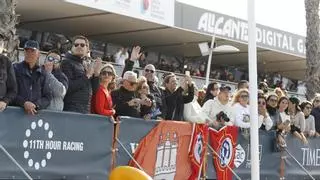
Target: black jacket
154	90
274	115
208	97
127	67
173	103
157	94
78	97
316	113
32	86
8	84
120	99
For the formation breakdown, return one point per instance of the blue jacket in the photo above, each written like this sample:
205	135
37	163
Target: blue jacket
32	86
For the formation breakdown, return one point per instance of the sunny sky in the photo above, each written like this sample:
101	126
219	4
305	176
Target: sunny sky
286	15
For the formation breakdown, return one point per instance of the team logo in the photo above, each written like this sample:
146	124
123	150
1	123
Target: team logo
198	148
36	144
165	168
225	152
40	144
240	156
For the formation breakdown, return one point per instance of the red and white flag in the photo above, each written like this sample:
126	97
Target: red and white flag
224	143
163	152
197	149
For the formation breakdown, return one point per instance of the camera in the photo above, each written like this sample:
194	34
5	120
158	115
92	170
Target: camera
222	116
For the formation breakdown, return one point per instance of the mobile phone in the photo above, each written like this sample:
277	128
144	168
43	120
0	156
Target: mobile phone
188	73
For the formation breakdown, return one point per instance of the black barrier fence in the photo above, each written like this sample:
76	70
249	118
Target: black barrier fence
62	145
55	145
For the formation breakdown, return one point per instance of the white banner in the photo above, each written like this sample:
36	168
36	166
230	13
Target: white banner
157	11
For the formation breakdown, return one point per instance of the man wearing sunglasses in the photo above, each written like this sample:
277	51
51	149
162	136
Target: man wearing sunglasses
149	72
58	81
81	78
125	101
33	90
8	84
175	97
220	104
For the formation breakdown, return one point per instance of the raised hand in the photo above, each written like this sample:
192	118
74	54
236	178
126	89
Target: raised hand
135	54
89	70
97	66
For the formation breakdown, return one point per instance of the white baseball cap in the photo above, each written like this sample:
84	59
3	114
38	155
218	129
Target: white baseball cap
130	76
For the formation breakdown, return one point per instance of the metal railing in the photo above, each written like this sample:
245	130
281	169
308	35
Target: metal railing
199	81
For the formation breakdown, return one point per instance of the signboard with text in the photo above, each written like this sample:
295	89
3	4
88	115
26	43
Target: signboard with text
55	145
224	26
157	11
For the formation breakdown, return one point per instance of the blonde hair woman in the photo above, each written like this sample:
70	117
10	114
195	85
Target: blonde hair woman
279	92
147	100
240	105
102	101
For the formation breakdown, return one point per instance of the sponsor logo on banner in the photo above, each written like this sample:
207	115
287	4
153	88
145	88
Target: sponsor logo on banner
238	29
157	11
133	147
233	28
240	156
248	163
310	157
39	138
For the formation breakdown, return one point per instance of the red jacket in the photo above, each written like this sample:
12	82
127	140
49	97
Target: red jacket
102	102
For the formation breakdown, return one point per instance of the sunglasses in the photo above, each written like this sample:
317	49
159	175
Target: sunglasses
244	96
144	87
132	83
106	73
79	44
53	59
149	71
261	103
273	100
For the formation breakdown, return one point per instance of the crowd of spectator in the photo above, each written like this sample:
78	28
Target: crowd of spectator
224	73
74	81
78	83
196	68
